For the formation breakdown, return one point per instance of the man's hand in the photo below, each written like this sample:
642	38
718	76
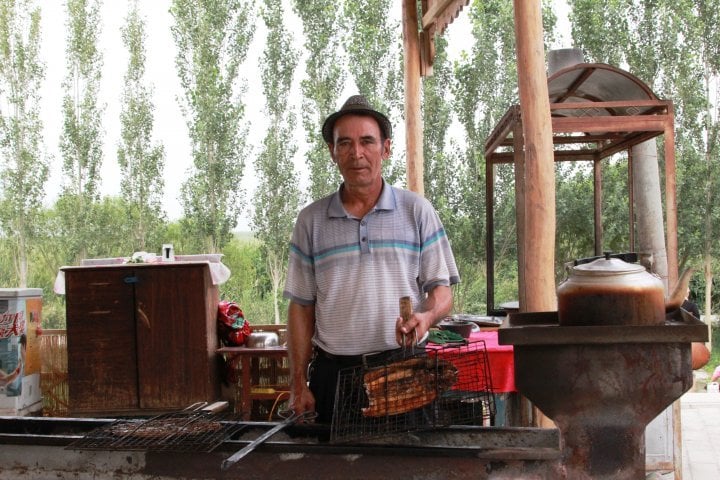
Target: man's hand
301	399
409	333
436	306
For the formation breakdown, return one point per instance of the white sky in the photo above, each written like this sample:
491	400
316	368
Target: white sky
170	127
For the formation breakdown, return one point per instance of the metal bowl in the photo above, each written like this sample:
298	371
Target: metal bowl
458	326
262	340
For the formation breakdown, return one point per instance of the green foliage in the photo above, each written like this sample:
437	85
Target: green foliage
23	165
440	179
213	38
249	284
81	139
601	29
372	40
575	237
325	77
277	198
140	161
714	352
80	143
443	181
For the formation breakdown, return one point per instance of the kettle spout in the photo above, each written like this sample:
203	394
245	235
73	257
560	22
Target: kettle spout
676	298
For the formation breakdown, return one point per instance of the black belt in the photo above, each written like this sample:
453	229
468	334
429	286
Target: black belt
344	359
374	358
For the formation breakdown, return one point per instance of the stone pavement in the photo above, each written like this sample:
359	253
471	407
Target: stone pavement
700	417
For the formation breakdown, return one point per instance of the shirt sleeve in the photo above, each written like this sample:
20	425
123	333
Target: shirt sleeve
437	261
300	285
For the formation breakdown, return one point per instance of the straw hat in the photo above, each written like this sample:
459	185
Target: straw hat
357	104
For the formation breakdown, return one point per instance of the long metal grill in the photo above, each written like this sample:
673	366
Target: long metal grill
440	386
176	432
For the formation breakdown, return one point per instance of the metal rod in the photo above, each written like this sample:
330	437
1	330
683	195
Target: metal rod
234	458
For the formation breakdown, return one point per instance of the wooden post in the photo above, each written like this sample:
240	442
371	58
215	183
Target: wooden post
490	235
413	117
597	204
539	238
670	201
519	158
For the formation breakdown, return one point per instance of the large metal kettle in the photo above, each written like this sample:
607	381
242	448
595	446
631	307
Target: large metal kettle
610	291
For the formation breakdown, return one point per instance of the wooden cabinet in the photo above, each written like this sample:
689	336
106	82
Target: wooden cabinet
141	338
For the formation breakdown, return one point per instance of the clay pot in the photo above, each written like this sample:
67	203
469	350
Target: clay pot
609	291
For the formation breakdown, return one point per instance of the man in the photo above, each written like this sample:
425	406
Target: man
699	353
353	255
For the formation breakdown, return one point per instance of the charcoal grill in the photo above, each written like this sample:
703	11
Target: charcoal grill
437	387
34	447
198	428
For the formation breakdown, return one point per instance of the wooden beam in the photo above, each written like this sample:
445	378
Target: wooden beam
502	131
609	105
575	85
441	13
631	123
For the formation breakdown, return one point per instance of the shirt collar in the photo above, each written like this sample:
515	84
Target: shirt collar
386	201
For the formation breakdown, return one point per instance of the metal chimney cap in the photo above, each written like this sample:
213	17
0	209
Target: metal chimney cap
562	58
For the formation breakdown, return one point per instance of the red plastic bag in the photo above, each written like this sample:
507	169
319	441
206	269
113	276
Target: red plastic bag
232	325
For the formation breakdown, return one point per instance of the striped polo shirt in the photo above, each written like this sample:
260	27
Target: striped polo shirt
354	270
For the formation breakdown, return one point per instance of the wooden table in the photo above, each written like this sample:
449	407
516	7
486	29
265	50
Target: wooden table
250	382
500	358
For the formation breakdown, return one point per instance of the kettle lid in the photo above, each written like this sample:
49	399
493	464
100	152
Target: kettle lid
608	266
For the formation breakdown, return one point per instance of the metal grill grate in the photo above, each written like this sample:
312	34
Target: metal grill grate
176	432
441	386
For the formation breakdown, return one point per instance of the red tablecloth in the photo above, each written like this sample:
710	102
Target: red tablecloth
500	359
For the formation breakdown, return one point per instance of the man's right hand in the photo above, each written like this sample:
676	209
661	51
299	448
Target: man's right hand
301	399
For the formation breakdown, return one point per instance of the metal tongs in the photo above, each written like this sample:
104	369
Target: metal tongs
291	418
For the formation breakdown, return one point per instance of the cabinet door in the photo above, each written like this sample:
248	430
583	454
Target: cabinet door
176	311
102	367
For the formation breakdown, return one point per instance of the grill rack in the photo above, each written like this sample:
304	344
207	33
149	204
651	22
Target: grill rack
456	381
171	432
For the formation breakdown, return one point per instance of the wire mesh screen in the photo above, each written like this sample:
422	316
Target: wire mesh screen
440	386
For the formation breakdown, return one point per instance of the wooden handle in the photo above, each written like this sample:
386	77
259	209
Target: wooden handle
405	308
216	407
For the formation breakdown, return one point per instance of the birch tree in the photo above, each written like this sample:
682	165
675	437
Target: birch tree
141	161
23	164
277	197
212	38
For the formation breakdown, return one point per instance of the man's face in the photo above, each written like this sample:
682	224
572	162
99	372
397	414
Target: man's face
358	149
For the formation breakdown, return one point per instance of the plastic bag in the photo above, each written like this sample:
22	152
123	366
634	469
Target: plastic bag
232	326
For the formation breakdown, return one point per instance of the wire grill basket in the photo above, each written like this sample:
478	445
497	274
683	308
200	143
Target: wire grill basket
440	386
175	432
